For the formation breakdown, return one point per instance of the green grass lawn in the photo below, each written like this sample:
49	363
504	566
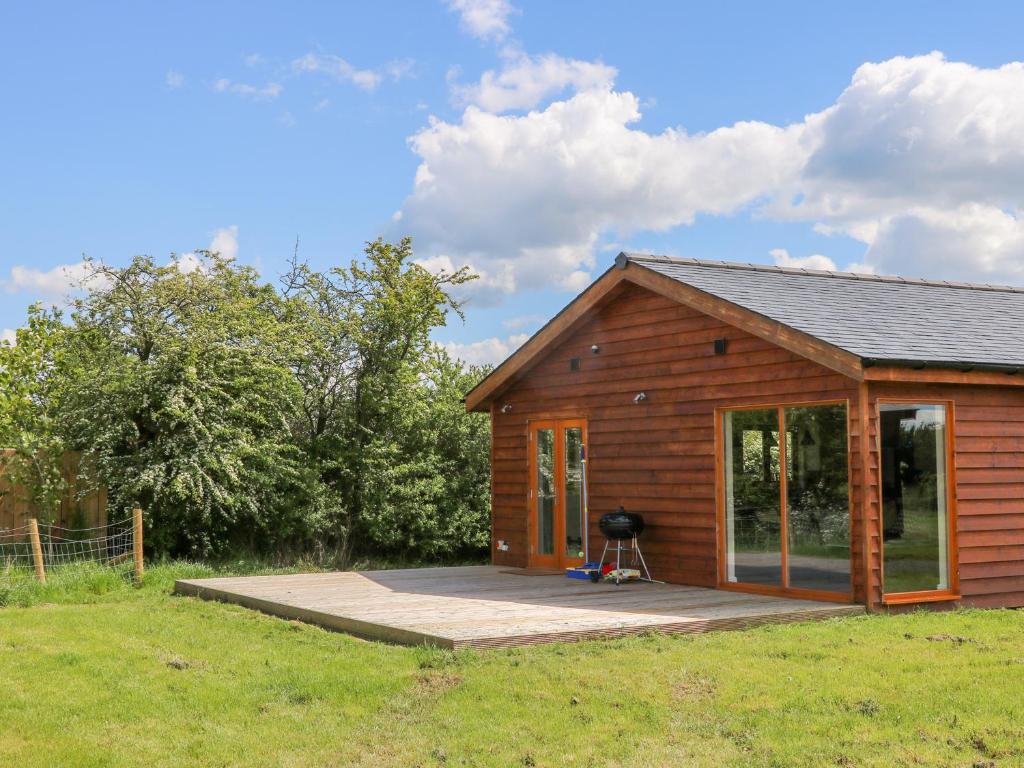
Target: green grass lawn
102	674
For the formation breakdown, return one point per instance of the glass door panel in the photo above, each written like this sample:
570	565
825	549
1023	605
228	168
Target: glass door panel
545	492
817	498
753	514
573	458
915	518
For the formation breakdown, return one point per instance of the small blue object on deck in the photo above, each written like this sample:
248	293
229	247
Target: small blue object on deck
585	571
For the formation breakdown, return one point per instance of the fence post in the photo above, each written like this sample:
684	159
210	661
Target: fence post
37	550
137	542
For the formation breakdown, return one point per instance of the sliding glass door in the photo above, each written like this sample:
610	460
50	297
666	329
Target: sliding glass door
916	530
786	517
818	498
753	501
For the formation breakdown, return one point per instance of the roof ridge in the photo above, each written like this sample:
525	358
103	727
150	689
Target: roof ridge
869	278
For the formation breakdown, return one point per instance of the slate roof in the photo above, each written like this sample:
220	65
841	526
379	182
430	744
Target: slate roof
882	320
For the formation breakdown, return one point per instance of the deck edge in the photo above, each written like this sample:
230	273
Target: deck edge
699	626
362	629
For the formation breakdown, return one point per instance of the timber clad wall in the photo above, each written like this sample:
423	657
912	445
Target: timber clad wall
656	457
866	507
988	433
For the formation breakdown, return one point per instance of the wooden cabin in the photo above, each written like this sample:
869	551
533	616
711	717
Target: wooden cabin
782	431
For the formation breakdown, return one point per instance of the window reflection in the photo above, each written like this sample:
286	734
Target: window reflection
816	517
573	492
545	491
817	498
752	497
914	515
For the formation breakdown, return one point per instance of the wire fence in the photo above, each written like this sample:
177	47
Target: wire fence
31	552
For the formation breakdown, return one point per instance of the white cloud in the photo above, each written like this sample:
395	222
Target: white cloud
493	280
526	199
266	92
922	159
187	262
63	281
919	158
9	335
253	60
487	351
339	69
973	242
524	81
225	242
51	284
911	132
814	261
174	80
484	19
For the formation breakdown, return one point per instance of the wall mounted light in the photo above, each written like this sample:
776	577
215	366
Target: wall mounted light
506	407
594	348
640	397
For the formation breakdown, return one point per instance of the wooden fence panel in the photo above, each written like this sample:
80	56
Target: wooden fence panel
88	511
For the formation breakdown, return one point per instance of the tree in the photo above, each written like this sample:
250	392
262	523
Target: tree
365	346
427	478
239	415
181	394
34	449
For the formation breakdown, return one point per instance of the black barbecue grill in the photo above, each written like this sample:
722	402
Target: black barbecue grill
620	525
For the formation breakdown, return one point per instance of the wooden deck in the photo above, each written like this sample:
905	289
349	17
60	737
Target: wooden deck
491	606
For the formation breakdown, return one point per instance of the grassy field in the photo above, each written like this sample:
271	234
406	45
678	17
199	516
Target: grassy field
97	673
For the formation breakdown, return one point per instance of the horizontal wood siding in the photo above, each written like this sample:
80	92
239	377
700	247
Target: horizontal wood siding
989	466
656	457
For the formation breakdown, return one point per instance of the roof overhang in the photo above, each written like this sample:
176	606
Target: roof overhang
918	372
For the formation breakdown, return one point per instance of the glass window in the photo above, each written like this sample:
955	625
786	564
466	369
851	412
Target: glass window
915	522
753	514
545	491
817	498
573	492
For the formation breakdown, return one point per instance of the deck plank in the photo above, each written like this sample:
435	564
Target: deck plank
490	606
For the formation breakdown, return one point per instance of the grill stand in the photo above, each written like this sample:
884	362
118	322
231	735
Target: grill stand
633	550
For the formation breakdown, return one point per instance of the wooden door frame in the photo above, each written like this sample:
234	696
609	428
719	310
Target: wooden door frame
785	590
558	559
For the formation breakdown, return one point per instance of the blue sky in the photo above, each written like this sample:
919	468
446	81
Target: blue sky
818	134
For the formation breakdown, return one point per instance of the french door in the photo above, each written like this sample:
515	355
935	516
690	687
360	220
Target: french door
556	526
786	514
